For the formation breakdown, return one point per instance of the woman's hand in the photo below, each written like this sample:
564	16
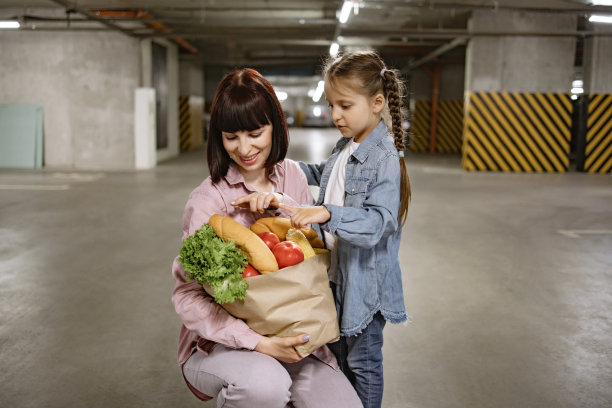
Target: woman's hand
302	216
281	348
259	201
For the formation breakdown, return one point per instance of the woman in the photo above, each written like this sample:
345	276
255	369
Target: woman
220	355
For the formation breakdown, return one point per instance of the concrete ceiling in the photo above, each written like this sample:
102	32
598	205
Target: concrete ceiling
284	37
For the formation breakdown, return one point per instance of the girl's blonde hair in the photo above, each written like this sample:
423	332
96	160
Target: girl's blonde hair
370	70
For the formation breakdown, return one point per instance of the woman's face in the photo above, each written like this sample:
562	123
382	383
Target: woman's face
249	149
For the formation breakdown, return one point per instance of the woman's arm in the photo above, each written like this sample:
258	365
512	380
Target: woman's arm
197	309
199	312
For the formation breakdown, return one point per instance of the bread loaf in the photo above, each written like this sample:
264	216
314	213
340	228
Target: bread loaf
254	249
280	226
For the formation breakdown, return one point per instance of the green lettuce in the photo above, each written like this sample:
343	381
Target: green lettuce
208	259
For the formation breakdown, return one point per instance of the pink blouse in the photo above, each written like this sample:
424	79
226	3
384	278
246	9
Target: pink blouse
205	323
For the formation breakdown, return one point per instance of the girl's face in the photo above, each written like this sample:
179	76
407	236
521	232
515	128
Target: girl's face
249	149
353	113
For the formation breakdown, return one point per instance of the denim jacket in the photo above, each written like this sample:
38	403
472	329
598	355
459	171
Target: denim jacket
369	274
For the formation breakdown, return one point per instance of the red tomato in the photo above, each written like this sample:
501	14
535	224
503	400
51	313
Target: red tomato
249	271
288	253
270	238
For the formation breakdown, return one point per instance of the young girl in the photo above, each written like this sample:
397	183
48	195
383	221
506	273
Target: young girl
220	356
362	205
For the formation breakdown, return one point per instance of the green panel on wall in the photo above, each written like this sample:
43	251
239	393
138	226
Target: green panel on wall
21	136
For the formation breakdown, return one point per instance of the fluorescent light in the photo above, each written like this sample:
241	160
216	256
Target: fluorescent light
601	2
333	49
9	24
595	18
346	11
577	91
281	95
318	92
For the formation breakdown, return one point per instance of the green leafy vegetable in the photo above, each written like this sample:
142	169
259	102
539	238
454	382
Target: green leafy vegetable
208	259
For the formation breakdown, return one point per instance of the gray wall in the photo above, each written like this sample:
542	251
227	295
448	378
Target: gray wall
597	61
191	79
520	63
451	85
86	83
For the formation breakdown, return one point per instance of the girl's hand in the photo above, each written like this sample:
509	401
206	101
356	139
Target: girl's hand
307	215
259	201
281	348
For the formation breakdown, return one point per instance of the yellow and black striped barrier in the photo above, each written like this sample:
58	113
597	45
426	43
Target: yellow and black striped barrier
449	126
517	132
598	148
420	126
184	123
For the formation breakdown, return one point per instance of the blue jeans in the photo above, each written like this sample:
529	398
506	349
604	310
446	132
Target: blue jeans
360	358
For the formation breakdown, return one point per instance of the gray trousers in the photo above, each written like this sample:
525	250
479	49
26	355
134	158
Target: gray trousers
244	378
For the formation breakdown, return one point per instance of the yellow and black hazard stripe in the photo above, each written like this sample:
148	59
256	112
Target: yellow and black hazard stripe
598	149
517	132
449	126
420	126
184	123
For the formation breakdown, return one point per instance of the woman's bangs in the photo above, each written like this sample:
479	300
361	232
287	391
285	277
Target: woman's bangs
245	111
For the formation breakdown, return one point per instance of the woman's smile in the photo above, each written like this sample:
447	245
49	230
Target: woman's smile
249	160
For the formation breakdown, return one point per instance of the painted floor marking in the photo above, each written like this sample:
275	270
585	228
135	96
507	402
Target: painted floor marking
579	233
34	187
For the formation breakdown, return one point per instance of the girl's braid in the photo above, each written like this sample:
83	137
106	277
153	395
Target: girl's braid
392	89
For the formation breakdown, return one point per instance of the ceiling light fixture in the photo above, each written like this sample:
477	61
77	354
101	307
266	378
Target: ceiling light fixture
601	2
596	18
346	11
333	49
9	24
281	95
318	92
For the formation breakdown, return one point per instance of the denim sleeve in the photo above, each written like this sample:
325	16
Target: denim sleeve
313	172
365	226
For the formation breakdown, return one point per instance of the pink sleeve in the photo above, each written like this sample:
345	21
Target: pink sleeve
201	314
203	202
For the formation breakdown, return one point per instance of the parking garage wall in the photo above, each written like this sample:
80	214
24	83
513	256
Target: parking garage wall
85	83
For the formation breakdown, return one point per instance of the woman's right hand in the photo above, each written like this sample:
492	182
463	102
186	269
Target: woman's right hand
259	201
281	348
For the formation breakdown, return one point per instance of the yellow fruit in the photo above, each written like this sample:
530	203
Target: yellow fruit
299	238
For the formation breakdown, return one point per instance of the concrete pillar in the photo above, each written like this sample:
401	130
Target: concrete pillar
518	111
597	61
594	150
520	63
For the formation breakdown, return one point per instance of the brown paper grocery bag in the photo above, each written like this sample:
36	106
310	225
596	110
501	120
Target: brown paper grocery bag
291	301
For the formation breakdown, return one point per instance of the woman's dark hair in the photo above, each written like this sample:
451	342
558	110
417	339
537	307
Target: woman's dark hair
374	77
244	101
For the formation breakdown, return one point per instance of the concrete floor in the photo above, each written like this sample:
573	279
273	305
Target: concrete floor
507	278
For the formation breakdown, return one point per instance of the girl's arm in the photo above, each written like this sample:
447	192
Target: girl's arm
364	226
313	172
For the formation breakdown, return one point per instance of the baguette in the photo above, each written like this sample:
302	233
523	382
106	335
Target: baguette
254	249
280	226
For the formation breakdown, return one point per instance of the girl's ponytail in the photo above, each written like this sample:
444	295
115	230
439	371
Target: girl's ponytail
392	87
